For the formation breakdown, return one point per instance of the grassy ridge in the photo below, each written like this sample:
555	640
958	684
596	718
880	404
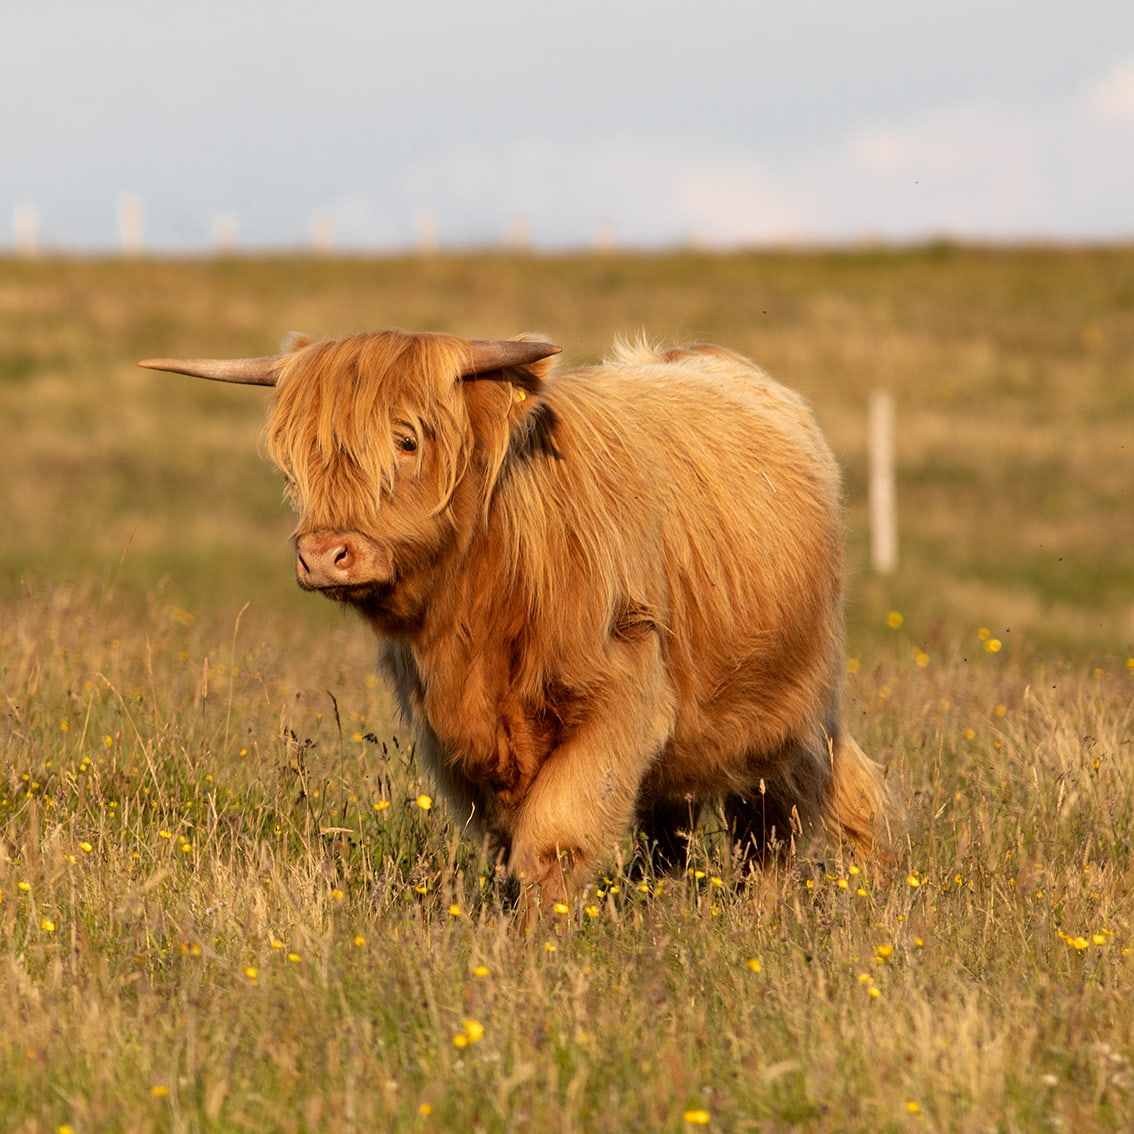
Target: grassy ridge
223	904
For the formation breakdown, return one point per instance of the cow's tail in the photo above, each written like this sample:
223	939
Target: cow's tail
857	807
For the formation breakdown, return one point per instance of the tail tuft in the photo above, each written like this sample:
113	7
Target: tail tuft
857	809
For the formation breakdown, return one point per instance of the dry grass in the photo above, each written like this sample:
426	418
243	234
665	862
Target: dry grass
201	780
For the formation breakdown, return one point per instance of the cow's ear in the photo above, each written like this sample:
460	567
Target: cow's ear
528	379
293	341
523	361
532	375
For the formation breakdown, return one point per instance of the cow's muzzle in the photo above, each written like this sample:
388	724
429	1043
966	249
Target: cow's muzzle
330	559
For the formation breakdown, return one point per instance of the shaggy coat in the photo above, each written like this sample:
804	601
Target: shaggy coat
602	596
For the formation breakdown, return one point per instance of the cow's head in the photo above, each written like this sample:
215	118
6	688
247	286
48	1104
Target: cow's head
391	444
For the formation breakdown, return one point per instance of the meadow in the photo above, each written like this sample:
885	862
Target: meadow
228	900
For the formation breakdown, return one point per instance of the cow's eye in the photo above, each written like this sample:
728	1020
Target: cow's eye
407	444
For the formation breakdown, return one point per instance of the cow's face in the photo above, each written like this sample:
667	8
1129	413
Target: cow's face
370	558
388	452
390	445
359	429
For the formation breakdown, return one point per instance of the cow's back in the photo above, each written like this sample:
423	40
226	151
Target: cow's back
697	496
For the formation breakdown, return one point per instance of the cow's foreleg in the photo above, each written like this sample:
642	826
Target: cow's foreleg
583	797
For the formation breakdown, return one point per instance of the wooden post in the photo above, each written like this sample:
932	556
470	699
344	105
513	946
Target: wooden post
224	234
323	234
428	233
130	226
519	233
25	224
882	493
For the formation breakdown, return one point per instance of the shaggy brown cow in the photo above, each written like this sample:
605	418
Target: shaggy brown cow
602	596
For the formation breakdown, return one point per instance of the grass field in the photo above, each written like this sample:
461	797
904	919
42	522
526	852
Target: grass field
226	901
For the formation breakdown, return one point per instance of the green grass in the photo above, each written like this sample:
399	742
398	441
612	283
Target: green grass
201	779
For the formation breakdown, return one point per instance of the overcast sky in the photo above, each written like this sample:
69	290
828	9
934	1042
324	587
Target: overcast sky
652	122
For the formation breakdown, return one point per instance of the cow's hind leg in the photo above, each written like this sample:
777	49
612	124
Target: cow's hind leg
786	800
664	828
764	824
827	785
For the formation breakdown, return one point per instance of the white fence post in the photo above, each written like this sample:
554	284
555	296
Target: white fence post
428	233
224	234
130	226
882	493
25	226
323	234
519	233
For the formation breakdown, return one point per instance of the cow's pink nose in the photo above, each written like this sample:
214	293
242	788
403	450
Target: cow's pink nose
325	559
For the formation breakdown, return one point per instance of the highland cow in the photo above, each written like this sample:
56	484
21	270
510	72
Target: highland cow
602	596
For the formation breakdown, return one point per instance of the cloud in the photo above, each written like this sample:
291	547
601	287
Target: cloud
1111	98
1062	169
733	199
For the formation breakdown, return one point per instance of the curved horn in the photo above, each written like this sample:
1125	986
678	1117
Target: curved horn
247	371
492	354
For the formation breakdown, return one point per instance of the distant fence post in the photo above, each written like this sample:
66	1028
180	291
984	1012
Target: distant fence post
224	234
519	233
428	233
25	226
882	493
323	234
130	226
606	237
